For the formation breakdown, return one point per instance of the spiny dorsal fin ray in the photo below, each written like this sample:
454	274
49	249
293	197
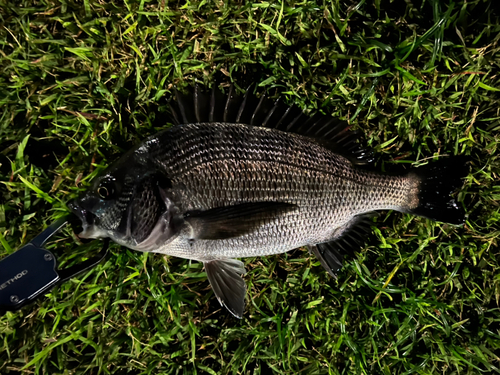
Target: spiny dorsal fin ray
351	237
200	106
185	107
217	105
232	106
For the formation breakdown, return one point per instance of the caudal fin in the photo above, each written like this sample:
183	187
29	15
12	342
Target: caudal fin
438	181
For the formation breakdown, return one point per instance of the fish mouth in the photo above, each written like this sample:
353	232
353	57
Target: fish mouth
87	218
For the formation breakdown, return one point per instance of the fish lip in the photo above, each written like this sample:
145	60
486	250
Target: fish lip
85	216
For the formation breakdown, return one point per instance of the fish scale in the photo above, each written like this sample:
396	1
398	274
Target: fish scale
214	191
275	166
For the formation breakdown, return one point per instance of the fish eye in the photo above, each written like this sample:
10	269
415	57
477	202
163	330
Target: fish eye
106	189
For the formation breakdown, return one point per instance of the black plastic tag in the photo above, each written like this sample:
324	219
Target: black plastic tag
24	275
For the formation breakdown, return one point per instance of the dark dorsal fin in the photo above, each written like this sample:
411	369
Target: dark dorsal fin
351	237
204	105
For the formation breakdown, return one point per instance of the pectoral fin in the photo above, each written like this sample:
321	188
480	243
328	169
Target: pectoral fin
234	221
225	277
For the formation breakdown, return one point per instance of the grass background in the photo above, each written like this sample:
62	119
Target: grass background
83	81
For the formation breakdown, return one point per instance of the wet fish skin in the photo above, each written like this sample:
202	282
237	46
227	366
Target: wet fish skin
219	165
217	191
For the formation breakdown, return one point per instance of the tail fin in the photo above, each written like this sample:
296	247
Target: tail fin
438	181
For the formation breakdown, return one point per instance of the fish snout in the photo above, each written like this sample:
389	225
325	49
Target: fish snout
85	216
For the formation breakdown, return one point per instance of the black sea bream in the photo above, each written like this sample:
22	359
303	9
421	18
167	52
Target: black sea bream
241	177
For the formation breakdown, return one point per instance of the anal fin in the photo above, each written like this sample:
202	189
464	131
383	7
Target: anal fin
228	285
350	237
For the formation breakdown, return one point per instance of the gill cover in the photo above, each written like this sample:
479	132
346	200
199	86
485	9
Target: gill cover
128	203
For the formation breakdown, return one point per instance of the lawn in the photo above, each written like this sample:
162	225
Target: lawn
82	81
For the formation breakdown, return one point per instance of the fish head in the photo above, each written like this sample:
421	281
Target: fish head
126	203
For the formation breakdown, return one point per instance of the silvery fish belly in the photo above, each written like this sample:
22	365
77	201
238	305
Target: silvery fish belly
242	176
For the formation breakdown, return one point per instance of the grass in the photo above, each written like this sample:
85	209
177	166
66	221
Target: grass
82	81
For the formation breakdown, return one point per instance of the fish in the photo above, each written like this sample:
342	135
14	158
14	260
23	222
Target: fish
242	175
